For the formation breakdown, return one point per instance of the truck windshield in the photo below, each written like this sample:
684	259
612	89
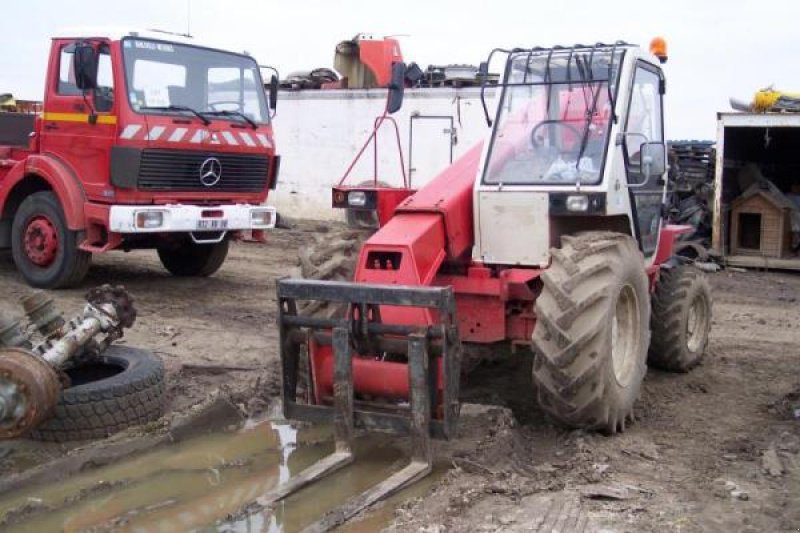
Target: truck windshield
167	77
554	117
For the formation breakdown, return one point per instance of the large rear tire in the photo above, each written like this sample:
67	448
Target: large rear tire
592	331
681	319
45	251
191	259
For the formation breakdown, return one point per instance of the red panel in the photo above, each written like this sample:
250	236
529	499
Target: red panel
379	55
419	239
450	193
666	241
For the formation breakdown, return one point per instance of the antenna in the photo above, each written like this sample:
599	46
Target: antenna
188	17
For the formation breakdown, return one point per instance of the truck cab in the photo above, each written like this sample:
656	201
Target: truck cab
146	140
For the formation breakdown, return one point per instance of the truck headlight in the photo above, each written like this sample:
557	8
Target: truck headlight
578	202
150	219
357	199
262	217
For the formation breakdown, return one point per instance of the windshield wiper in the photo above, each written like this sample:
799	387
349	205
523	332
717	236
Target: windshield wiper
178	108
228	113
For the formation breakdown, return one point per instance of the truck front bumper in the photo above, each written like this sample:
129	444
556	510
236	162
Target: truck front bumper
189	218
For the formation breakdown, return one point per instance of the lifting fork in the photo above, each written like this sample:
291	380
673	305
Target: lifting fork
362	329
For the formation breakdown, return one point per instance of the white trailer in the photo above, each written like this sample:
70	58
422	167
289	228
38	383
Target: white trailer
319	133
749	234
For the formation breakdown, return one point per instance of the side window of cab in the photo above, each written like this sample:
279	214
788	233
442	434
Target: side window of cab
66	72
104	93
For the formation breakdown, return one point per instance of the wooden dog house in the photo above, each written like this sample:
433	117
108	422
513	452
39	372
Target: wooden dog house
761	223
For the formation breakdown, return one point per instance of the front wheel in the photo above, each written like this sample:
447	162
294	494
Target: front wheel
45	250
592	331
187	258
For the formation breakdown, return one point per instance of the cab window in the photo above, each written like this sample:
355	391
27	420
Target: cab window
104	93
66	74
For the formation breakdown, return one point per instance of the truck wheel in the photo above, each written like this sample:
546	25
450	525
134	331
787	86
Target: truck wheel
681	319
592	331
44	249
124	387
191	259
332	257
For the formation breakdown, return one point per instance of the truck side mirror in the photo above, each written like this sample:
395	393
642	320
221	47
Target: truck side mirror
653	157
273	92
84	64
396	87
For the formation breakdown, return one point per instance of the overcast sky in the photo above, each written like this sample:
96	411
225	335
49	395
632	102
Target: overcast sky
717	49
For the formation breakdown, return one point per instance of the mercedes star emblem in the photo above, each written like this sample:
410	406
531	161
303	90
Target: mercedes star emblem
210	172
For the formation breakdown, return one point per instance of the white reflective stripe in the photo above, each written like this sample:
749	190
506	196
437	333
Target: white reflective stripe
263	139
155	132
199	136
230	138
129	131
247	139
177	135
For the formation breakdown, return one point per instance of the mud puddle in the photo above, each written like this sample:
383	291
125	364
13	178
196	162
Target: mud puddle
207	482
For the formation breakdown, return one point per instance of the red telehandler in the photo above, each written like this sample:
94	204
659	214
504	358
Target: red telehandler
550	234
146	140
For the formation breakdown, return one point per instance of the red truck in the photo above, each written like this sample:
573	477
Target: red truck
145	141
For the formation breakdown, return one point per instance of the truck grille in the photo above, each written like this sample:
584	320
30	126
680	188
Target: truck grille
176	170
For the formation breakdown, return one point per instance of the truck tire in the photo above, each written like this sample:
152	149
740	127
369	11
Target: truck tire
332	257
189	259
681	319
124	387
44	249
592	332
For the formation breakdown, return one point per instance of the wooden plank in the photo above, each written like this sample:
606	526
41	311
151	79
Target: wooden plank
763	262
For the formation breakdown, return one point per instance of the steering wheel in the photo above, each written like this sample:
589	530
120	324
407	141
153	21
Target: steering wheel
539	144
213	105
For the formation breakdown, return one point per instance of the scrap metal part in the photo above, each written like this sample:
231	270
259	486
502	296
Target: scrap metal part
11	334
119	298
42	313
30	376
29	389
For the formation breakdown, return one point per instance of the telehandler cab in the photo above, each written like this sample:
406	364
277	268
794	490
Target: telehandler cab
550	234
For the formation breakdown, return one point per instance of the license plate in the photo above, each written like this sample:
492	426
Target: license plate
212	224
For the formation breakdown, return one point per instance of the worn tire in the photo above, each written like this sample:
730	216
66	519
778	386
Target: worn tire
596	281
70	264
681	319
190	259
97	409
332	257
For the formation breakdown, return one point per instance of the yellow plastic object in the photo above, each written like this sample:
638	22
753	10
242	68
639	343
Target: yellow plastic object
767	99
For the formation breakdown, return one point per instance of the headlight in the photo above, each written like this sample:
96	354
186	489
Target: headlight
577	203
357	199
262	217
149	219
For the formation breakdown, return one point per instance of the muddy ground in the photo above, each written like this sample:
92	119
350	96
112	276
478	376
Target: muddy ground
717	449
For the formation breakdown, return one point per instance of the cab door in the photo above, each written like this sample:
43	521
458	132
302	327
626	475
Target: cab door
645	124
68	133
